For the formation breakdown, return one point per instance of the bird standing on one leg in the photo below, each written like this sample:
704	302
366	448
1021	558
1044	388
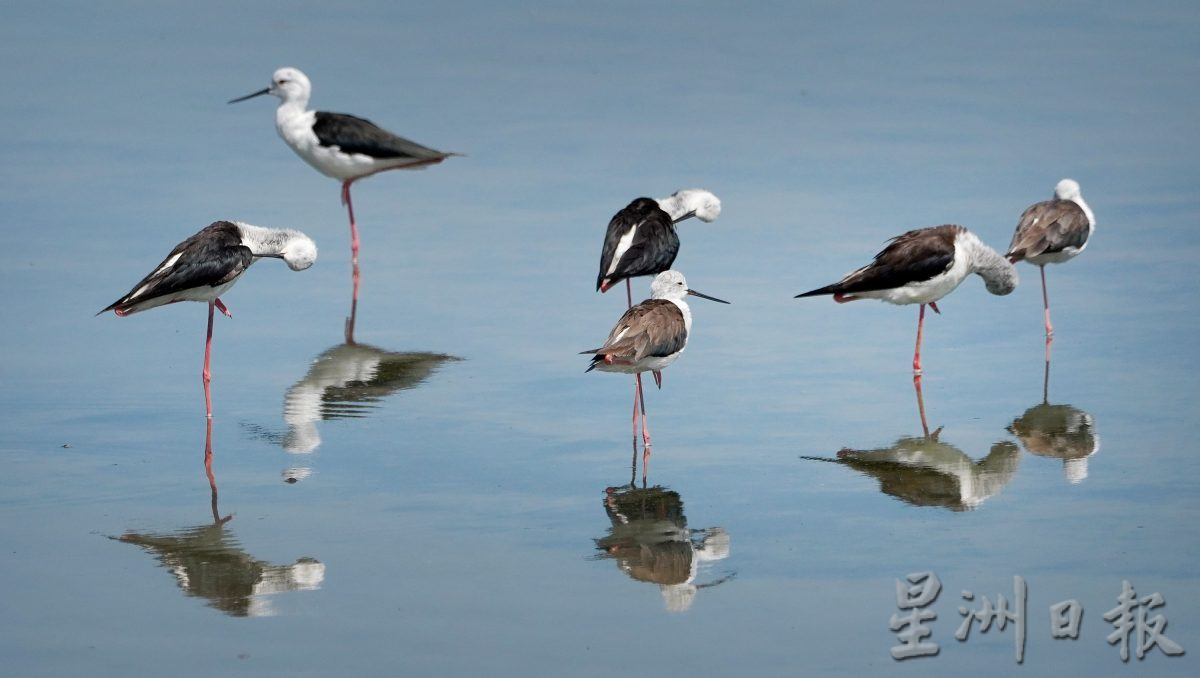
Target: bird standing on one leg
341	146
648	338
205	266
1053	232
921	267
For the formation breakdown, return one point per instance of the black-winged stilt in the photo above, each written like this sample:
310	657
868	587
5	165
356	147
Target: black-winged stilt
205	266
648	338
1052	232
341	146
922	266
641	238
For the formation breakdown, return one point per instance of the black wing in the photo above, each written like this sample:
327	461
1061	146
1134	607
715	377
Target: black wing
357	135
212	257
653	249
915	256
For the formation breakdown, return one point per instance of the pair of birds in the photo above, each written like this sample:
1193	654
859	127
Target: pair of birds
207	264
641	240
924	265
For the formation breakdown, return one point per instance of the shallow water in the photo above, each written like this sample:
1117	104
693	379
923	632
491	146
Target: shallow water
451	494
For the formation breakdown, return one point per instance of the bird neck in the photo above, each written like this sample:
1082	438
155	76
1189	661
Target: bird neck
289	112
675	206
687	313
1078	200
999	276
265	242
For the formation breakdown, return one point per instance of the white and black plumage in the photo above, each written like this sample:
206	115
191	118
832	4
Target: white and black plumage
1052	232
338	145
206	265
649	336
922	266
641	238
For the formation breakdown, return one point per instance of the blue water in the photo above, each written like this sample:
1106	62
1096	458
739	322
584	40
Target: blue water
452	495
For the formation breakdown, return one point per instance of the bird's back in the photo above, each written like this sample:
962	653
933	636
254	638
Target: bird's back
655	328
913	257
640	240
358	135
1053	227
211	258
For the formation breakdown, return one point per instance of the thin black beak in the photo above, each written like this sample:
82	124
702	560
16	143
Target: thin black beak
268	256
689	215
265	90
694	293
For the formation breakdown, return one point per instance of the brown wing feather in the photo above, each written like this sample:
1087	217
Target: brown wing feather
654	327
1047	227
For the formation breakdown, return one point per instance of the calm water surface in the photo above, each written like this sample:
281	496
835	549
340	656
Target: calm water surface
451	494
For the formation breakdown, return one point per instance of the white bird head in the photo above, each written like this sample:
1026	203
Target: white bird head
1067	189
299	252
672	285
692	202
289	84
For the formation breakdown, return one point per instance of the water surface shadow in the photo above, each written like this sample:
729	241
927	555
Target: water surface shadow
924	471
650	542
208	562
1059	431
346	381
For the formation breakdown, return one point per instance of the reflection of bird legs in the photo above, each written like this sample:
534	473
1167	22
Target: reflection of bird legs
1046	374
921	404
353	259
212	480
349	333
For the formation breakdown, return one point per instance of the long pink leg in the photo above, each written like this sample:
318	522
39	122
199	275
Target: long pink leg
646	430
206	375
1046	303
221	308
637	394
917	354
353	232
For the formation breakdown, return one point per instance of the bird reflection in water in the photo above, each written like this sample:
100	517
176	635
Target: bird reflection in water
650	541
1061	431
346	382
923	471
208	562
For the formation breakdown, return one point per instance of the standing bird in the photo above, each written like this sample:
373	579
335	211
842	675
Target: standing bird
922	266
641	238
206	265
338	145
647	338
1052	232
